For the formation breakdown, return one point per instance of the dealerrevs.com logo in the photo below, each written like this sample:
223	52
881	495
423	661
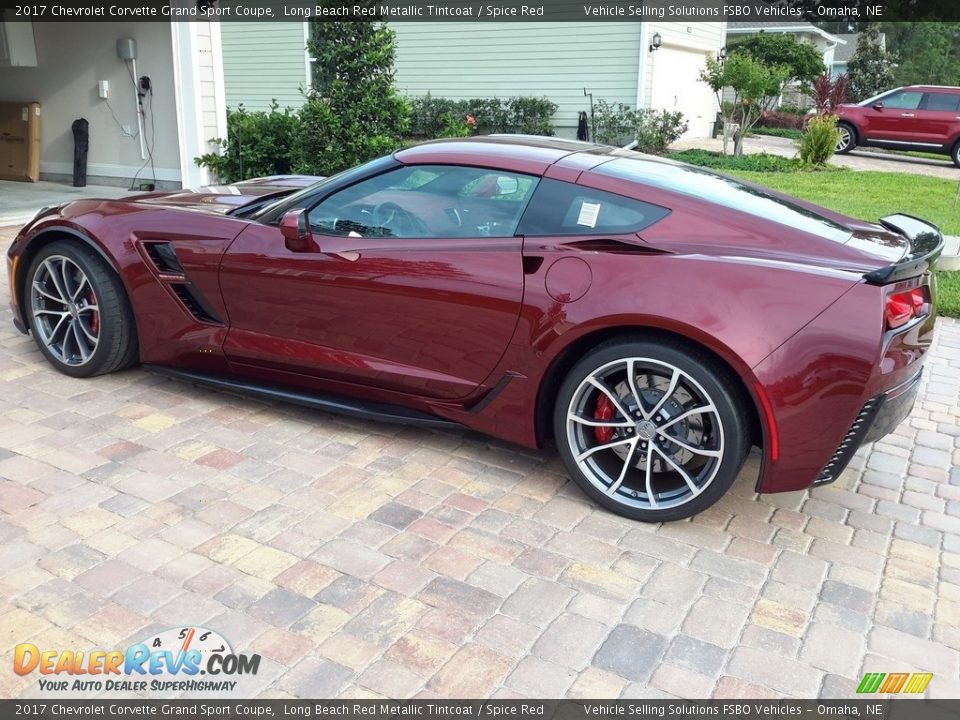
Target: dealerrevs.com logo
189	659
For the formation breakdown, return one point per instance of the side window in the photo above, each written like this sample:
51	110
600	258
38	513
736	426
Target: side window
942	102
427	201
904	100
562	208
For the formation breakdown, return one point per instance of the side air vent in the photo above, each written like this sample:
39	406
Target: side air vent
164	257
196	303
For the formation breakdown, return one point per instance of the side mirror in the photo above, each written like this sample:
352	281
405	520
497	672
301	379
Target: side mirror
878	106
296	232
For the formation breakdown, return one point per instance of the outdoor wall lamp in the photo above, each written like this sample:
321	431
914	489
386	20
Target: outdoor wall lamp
722	55
655	42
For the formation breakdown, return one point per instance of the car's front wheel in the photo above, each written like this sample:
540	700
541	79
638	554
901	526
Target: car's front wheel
654	431
847	140
78	311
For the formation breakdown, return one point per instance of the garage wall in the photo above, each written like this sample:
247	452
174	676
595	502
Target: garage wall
558	60
71	58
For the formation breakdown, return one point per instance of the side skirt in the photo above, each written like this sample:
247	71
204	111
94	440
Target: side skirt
329	403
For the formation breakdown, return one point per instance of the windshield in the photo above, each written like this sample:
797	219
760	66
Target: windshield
721	190
877	98
305	197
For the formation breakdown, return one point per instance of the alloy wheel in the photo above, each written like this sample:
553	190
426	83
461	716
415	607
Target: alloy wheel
846	137
66	317
645	433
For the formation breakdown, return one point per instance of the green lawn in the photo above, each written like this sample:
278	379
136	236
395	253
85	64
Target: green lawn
870	195
948	299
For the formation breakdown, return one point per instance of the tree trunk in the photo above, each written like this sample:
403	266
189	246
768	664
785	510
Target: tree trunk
738	142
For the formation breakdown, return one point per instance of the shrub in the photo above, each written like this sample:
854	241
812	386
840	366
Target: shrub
794	109
428	115
819	140
781	119
654	130
759	162
354	113
257	143
791	133
528	115
828	94
455	126
532	115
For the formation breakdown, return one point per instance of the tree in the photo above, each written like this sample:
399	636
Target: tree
354	111
870	70
755	87
927	53
802	60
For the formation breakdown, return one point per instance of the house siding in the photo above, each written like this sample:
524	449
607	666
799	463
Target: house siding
263	61
556	60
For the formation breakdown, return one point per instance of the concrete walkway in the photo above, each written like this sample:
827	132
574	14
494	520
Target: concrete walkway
20	200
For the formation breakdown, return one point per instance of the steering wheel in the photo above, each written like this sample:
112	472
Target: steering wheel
392	217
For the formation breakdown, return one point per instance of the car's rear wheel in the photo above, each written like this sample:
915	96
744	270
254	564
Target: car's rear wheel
654	431
848	138
78	311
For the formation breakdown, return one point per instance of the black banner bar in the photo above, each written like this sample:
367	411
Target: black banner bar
758	11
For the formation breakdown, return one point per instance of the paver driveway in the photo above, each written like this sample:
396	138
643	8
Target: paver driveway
369	559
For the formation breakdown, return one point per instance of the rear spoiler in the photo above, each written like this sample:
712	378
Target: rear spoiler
926	244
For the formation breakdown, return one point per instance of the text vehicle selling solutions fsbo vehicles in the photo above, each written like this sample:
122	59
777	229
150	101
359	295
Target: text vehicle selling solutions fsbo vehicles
652	319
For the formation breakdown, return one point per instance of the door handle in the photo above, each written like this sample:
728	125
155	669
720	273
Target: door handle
907	115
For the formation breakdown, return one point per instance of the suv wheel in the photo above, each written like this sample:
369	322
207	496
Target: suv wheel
847	140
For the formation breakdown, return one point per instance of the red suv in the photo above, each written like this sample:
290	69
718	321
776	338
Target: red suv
918	117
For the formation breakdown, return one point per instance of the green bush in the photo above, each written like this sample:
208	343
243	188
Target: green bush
654	130
759	162
257	143
782	119
791	133
354	113
819	140
528	115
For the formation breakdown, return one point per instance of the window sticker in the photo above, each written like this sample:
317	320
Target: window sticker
589	212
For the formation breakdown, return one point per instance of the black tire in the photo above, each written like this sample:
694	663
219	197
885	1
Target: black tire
115	347
848	138
724	433
955	153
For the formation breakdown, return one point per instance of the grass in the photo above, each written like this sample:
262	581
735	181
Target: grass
869	195
948	297
752	162
791	133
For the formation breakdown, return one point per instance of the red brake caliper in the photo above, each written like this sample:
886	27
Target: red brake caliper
95	318
604	413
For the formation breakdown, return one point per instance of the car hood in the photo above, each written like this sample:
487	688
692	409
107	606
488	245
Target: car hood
222	199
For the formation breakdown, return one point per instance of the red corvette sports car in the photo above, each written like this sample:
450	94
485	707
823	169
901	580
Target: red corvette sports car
652	319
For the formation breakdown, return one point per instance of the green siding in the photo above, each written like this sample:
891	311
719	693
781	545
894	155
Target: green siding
263	61
556	60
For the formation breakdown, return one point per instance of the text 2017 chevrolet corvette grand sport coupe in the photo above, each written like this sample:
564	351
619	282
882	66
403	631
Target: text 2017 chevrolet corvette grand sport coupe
651	318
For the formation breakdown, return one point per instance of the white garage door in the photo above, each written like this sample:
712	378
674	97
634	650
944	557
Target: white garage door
677	86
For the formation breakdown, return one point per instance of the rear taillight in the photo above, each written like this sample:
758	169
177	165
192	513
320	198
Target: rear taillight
903	307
